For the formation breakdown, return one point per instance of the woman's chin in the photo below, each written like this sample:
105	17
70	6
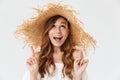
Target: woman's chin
57	45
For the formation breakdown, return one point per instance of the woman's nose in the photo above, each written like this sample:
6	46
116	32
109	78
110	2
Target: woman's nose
58	30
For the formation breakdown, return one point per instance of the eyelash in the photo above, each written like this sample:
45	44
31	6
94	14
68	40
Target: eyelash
62	26
53	25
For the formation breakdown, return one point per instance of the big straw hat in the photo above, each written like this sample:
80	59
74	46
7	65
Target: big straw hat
33	28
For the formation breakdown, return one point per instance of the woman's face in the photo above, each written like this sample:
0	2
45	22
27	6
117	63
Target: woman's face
59	32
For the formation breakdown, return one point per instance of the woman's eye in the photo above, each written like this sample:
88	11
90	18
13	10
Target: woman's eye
53	25
63	26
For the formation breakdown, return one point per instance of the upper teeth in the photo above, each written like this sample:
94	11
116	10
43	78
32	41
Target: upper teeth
57	37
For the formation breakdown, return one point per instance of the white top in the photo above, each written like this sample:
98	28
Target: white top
57	75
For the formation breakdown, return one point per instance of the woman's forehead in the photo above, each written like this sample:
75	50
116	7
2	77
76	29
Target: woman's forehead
61	20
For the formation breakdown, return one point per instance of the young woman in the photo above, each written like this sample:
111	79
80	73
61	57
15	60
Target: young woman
56	32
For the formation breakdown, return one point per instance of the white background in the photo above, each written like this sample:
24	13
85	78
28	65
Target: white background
101	19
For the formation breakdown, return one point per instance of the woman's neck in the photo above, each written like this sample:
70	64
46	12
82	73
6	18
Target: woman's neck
57	50
57	55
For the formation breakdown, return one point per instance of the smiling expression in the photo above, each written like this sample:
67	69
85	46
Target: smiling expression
59	32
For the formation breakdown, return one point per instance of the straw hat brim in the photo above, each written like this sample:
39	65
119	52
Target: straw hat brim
33	28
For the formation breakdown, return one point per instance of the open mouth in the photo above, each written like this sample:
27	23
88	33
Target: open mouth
57	38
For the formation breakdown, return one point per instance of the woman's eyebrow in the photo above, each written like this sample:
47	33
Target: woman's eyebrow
63	23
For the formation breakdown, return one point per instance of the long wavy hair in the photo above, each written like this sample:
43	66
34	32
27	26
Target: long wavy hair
46	53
